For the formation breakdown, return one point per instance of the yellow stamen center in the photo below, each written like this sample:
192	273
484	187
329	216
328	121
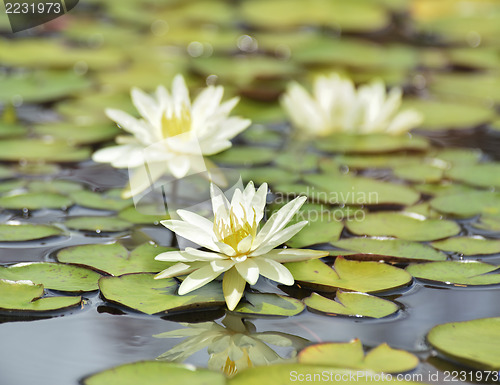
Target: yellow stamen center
234	229
230	368
177	124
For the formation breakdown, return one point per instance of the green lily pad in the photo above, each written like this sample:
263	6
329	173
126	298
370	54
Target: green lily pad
482	175
421	173
390	249
469	245
438	189
456	273
35	201
109	200
382	358
115	259
440	115
97	224
26	296
365	277
404	226
155	373
459	156
54	186
75	134
352	304
148	295
372	143
388	161
5	172
146	215
259	134
470	87
297	162
351	190
267	174
55	276
468	204
295	373
245	156
488	223
39	150
41	86
27	232
269	304
10	130
473	343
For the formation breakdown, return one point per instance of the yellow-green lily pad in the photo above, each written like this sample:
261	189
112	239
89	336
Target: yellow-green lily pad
114	258
75	134
468	204
469	245
269	304
352	304
109	200
143	293
35	201
143	215
97	224
481	175
245	156
365	277
382	358
27	232
39	150
56	276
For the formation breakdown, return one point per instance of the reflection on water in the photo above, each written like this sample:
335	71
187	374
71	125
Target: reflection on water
60	351
233	345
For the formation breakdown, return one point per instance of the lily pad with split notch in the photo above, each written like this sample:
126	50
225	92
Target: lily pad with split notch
408	226
27	296
55	276
456	273
115	259
365	277
269	304
143	293
352	304
382	358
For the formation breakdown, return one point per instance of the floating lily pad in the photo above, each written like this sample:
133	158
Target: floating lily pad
482	175
11	130
323	227
5	172
115	259
39	150
155	373
54	186
388	161
468	204
245	156
473	343
351	190
27	232
373	143
440	115
269	304
419	173
438	189
144	215
267	174
351	355
148	295
11	185
26	296
365	277
404	226
469	245
468	87
75	134
35	201
488	223
469	273
459	156
352	304
56	276
297	162
109	200
97	224
41	86
390	249
259	134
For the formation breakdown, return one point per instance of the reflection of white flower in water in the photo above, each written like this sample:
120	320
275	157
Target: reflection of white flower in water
336	106
173	133
232	347
237	247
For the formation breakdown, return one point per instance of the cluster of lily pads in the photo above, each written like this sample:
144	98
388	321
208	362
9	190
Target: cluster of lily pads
396	211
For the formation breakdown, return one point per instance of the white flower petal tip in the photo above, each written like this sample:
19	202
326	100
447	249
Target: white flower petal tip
167	120
335	105
237	245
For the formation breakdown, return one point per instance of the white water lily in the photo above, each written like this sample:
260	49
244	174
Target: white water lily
233	346
337	106
237	247
172	133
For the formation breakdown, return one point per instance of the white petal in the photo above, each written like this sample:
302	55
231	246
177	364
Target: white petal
220	204
279	238
245	244
233	286
249	270
294	255
146	105
189	255
126	122
197	279
196	220
179	166
180	93
192	233
222	265
176	270
274	270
